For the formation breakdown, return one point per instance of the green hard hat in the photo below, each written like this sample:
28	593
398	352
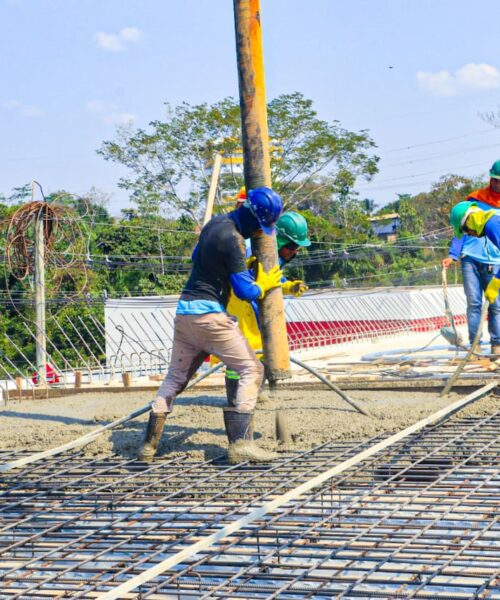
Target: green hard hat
292	227
459	214
495	170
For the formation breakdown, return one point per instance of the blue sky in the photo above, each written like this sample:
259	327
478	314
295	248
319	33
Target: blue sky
414	72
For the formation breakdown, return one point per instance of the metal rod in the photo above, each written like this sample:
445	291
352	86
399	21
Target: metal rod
472	349
331	385
206	542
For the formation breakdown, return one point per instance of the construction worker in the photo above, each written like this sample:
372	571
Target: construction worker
291	230
203	327
479	256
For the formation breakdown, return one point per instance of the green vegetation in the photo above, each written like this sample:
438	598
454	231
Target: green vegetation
146	251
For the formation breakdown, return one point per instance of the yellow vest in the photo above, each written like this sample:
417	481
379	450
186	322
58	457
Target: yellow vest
247	322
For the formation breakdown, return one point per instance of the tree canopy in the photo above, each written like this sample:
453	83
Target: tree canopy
169	164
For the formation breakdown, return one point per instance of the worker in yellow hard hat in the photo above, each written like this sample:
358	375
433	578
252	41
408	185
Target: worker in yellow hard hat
291	235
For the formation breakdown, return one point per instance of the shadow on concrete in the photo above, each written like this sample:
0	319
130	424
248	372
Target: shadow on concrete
127	440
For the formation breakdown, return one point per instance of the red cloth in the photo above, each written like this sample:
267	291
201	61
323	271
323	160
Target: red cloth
51	375
486	195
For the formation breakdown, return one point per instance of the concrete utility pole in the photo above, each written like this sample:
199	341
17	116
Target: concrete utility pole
258	173
41	349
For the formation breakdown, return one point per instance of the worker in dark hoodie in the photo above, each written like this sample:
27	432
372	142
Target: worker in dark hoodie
203	327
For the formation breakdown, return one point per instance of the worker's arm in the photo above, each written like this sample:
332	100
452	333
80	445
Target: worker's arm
492	230
454	252
455	249
244	284
247	288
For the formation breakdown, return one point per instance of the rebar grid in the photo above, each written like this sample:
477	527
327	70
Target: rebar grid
104	493
418	520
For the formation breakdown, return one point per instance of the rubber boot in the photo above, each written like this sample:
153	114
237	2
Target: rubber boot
154	430
241	446
231	390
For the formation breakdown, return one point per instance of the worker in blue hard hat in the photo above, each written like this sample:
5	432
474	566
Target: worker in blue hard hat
479	255
203	327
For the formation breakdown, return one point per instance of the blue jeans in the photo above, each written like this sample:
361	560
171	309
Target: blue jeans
476	277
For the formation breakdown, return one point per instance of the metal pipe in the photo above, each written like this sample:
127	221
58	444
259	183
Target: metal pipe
331	385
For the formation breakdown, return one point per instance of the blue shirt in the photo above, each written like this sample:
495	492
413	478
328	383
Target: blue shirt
481	249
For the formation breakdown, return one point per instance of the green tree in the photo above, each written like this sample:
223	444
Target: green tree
411	221
169	164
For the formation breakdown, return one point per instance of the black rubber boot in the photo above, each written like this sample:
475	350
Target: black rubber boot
242	448
154	430
231	391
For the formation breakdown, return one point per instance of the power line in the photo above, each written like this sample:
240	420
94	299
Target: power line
441	141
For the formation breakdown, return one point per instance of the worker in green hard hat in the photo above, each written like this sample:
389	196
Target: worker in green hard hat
291	229
476	225
291	235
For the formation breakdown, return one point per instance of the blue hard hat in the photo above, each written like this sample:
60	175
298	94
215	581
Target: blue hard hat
266	206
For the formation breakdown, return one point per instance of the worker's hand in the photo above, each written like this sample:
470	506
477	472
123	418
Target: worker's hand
295	288
268	281
447	262
491	291
250	261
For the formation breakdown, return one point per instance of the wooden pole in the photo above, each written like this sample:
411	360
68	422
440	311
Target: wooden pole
78	379
126	379
255	136
213	188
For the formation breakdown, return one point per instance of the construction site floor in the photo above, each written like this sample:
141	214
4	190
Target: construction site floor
196	425
417	518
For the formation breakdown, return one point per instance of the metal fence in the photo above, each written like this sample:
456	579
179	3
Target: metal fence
136	334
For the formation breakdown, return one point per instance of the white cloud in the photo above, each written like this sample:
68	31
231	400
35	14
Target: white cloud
130	34
109	113
117	42
119	118
99	106
480	77
470	77
25	110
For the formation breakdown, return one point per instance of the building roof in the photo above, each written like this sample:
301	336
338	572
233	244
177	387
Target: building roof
384	217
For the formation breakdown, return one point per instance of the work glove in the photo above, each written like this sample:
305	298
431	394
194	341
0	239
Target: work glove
295	288
491	291
268	281
250	261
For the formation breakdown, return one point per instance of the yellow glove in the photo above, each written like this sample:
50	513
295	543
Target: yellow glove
268	281
491	291
295	288
250	260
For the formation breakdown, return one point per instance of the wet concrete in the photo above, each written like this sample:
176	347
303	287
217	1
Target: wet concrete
196	425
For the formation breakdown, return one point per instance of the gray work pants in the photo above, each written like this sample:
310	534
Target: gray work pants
197	336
